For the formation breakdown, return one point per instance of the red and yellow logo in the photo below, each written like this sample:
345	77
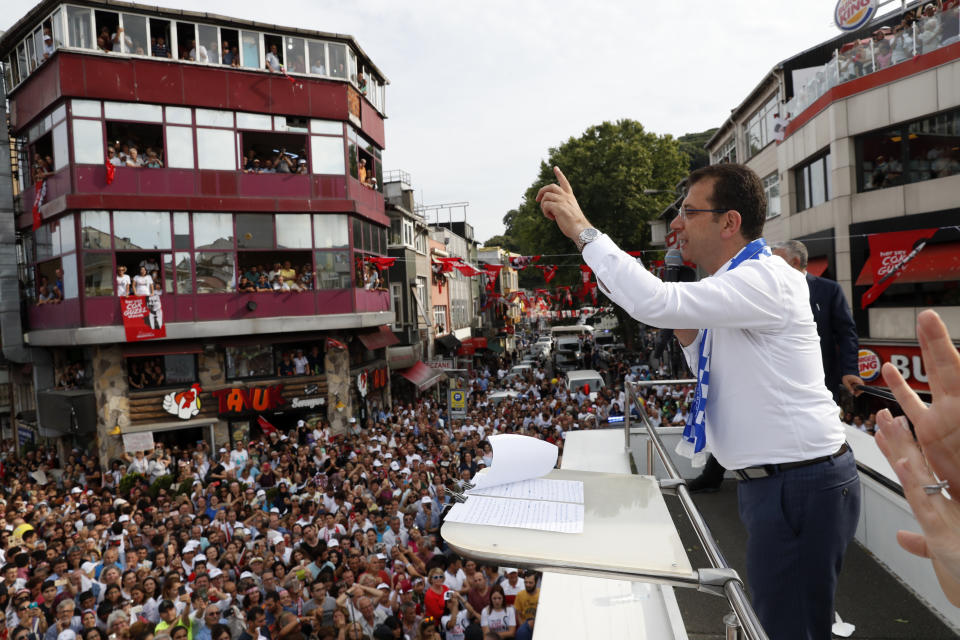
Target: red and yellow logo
850	15
870	364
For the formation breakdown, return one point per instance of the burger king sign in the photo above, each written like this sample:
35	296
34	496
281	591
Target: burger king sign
850	15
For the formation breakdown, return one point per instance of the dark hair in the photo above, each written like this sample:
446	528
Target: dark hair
736	187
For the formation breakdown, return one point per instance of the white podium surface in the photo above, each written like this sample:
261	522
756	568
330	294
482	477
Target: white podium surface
627	530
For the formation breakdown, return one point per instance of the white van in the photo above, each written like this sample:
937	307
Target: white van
577	378
571	330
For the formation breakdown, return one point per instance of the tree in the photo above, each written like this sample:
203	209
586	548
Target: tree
693	144
612	167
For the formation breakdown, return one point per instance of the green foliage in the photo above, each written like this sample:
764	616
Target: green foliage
693	145
162	483
501	241
128	481
610	166
186	485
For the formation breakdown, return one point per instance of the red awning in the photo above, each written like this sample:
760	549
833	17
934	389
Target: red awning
422	376
378	338
934	263
816	266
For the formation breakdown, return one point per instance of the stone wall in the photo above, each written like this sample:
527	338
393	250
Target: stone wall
113	407
211	375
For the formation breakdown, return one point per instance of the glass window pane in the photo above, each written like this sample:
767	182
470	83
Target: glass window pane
331	127
95	229
255	230
251	361
294	55
22	61
179	147
181	230
56	19
71	287
333	270
338	60
215	273
179	115
168	274
43	241
213	230
135	34
31	55
214	118
330	231
209	44
257	121
141	230
318	57
818	194
180	368
85	108
87	141
357	233
8	78
216	149
293	231
97	274
326	155
352	64
68	240
61	148
250	49
184	273
133	111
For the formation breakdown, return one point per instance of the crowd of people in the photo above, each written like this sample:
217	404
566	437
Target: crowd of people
128	155
145	283
282	278
278	161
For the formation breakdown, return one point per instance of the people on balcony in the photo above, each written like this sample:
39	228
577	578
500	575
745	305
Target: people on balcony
123	281
245	286
273	60
143	283
159	47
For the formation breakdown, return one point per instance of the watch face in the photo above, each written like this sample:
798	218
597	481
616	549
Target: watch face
588	235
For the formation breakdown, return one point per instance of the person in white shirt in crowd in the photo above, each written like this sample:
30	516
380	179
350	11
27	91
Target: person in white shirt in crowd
750	326
273	60
123	281
142	283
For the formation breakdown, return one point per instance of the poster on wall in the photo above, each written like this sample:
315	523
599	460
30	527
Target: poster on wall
143	318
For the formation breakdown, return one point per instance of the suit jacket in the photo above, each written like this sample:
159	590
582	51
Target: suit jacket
839	344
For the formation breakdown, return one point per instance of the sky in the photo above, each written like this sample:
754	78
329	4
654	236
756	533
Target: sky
479	91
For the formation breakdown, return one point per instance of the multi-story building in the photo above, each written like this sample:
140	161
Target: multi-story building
202	149
503	314
458	242
867	170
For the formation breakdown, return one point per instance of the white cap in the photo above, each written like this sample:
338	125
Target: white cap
333	543
123	518
377	463
246	574
509	569
301	423
382	585
351	420
394	466
222	450
76	490
215	573
425	500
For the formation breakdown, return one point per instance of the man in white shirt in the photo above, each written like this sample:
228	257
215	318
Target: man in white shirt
273	60
768	414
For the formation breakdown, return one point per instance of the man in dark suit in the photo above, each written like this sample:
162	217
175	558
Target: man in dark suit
839	344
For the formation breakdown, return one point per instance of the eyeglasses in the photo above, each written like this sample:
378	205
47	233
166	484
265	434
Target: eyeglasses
436	577
685	212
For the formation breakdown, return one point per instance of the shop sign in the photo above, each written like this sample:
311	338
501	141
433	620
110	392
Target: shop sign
457	401
907	359
26	436
307	403
142	318
850	15
239	400
379	378
440	364
183	404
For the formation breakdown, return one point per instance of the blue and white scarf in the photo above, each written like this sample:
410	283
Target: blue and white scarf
694	442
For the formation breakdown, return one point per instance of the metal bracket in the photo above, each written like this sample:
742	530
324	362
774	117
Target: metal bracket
713	581
668	486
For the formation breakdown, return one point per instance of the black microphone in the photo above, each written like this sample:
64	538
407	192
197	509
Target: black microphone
673	264
674	271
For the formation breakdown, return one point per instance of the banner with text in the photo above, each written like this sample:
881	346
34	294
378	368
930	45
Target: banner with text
142	318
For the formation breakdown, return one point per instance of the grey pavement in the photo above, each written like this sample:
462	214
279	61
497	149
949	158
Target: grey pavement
868	596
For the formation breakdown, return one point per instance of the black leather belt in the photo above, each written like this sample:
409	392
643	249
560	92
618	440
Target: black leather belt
767	470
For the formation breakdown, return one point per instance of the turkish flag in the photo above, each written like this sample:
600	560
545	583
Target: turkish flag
890	255
265	426
111	172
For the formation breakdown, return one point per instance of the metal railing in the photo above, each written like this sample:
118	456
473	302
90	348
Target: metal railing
721	579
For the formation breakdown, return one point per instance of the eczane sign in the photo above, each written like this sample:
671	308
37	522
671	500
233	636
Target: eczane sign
850	15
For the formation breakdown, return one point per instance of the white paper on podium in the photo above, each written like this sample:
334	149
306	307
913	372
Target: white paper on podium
561	517
516	458
536	489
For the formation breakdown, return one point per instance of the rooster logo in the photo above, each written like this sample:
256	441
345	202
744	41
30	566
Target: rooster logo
185	404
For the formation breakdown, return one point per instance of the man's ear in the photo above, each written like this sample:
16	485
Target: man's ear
732	222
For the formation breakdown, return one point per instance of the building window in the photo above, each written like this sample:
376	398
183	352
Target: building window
365	160
440	318
727	151
813	182
162	371
771	187
759	127
914	152
396	301
420	242
253	361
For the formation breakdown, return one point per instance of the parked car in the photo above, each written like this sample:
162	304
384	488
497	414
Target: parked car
578	378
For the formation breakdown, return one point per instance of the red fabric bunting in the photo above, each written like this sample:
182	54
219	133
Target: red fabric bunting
111	172
380	262
40	192
548	271
468	270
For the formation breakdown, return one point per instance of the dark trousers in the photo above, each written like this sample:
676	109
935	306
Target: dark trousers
799	523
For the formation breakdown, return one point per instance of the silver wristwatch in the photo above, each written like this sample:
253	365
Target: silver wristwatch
586	236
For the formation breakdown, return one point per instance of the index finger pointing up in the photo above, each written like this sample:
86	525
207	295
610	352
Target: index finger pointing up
562	180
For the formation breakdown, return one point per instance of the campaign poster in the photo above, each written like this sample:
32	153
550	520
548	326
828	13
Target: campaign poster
143	318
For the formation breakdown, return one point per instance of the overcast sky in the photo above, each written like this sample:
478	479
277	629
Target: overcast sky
480	90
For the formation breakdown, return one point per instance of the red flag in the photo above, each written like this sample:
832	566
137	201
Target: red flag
468	270
265	426
40	192
381	263
493	268
890	255
548	272
335	344
111	172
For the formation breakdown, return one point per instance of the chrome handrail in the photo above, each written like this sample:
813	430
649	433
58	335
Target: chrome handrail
731	582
